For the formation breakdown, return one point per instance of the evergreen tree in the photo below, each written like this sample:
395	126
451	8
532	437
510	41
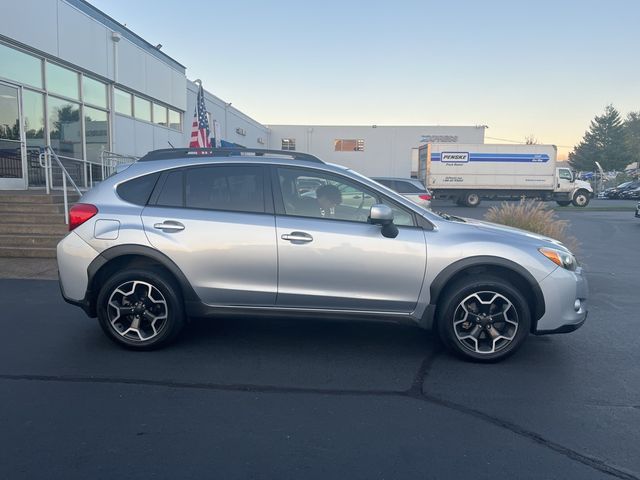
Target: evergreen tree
632	130
604	142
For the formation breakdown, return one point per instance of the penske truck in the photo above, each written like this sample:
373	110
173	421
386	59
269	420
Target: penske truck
468	173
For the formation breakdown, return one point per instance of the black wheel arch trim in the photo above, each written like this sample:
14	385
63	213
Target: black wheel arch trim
440	282
88	303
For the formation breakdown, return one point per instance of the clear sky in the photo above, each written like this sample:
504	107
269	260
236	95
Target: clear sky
541	68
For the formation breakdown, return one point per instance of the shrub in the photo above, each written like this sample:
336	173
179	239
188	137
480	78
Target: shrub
535	217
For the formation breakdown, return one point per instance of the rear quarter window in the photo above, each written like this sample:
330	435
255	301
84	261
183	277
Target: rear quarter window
138	190
407	187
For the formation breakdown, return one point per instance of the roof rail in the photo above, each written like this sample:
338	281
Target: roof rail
171	153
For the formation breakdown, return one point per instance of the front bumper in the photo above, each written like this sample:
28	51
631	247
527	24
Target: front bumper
561	289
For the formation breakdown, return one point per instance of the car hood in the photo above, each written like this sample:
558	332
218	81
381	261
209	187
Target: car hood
519	233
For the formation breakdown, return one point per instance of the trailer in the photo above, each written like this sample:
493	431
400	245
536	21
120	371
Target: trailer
468	173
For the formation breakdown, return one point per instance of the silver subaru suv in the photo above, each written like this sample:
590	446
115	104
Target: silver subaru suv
212	233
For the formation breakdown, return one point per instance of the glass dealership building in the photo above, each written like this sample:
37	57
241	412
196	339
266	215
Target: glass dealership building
75	79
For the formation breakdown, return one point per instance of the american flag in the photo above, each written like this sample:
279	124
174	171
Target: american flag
200	130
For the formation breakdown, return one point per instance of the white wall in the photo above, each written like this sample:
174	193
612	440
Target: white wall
387	149
61	30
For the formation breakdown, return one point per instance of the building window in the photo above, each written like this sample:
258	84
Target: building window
65	130
62	81
33	114
96	132
142	109
122	102
94	92
20	67
348	145
160	115
288	144
175	120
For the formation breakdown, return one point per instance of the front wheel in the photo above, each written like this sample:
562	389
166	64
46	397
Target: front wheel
140	309
581	198
483	318
472	199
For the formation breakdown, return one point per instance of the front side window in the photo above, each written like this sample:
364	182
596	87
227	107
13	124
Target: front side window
565	174
233	188
322	195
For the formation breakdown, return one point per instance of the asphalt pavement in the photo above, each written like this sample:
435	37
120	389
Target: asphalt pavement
263	399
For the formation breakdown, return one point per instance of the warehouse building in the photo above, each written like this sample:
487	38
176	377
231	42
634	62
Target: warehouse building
92	89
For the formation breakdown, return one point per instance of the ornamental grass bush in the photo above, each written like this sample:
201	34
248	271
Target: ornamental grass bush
534	216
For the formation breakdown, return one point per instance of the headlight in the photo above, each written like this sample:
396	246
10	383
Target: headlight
560	258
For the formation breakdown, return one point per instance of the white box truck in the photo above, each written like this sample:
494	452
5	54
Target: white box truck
468	173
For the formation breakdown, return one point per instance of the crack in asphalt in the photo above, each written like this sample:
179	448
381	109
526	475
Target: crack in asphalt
415	392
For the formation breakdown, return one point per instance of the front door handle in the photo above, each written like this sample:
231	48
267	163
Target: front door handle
169	226
297	237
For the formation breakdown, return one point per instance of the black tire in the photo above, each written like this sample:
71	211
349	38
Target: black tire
563	203
581	198
472	199
449	310
164	330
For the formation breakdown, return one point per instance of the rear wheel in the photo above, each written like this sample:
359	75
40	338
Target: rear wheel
563	203
483	318
140	309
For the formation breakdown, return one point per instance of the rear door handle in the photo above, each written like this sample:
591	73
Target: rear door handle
169	226
297	237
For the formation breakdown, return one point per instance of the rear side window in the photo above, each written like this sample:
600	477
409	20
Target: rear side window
138	190
407	187
171	193
234	188
386	183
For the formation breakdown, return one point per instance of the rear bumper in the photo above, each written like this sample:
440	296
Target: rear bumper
74	256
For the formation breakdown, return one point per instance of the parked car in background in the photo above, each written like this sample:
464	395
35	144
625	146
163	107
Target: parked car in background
410	188
616	192
631	193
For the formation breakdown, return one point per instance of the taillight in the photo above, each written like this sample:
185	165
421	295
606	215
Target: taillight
80	213
426	196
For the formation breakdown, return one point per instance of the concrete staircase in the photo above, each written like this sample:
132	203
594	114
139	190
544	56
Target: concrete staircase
31	223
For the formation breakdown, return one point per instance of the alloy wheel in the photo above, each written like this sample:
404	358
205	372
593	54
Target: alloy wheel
485	322
137	311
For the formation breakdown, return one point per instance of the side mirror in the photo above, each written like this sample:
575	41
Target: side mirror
383	215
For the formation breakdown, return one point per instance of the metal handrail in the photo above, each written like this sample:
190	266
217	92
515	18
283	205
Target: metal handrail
110	161
45	154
